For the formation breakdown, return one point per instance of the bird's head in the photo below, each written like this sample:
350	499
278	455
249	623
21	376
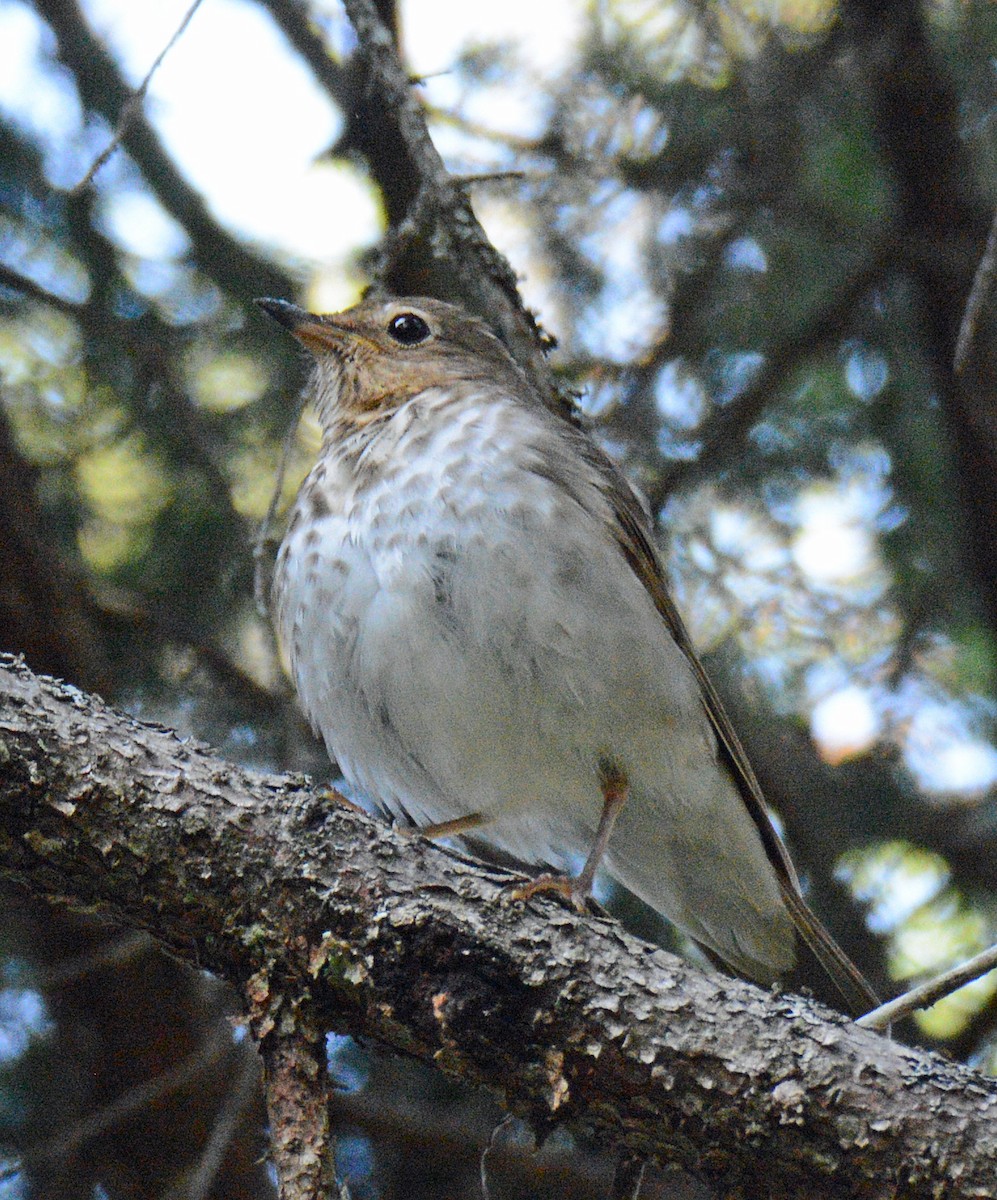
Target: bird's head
374	357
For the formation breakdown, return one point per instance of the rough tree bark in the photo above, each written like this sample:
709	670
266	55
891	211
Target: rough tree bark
313	908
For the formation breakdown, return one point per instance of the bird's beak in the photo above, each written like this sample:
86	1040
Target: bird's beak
317	334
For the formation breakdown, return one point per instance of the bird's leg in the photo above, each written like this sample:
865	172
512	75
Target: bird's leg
615	789
336	797
444	829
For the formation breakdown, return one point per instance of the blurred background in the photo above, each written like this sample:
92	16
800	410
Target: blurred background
753	229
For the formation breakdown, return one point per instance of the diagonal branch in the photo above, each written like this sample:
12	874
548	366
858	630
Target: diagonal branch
222	257
932	990
730	425
15	281
438	247
131	109
300	901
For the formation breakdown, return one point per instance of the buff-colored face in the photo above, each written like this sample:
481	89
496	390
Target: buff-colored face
372	358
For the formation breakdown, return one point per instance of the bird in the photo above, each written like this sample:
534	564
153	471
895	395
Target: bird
477	624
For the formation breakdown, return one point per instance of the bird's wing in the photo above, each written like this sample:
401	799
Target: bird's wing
632	531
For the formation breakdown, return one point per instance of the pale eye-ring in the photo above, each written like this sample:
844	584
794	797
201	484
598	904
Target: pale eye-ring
408	328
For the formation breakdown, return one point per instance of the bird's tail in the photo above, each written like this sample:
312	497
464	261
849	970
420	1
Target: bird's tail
844	974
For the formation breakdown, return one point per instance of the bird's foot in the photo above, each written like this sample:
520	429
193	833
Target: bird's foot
337	797
443	829
564	886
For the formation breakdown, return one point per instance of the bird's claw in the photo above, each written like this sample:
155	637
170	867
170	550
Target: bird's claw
558	885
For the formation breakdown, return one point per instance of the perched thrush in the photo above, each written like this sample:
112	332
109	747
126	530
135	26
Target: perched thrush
479	628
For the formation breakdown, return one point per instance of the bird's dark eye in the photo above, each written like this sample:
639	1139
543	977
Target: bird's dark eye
408	329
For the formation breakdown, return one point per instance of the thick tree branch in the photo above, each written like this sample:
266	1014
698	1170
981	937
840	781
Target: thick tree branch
298	1090
305	902
438	248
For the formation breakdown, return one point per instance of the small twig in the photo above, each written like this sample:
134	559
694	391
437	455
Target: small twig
131	108
977	294
111	954
134	1100
486	1154
926	994
21	283
418	80
297	1088
263	533
197	1184
123	608
628	1178
488	177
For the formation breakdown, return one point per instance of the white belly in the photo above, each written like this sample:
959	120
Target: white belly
467	638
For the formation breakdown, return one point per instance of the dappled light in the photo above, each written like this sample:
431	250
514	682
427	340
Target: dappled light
753	254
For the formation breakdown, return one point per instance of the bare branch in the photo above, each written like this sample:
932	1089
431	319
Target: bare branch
196	1184
982	282
439	247
262	549
486	1192
926	994
222	257
21	283
568	1018
131	108
135	1099
730	425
